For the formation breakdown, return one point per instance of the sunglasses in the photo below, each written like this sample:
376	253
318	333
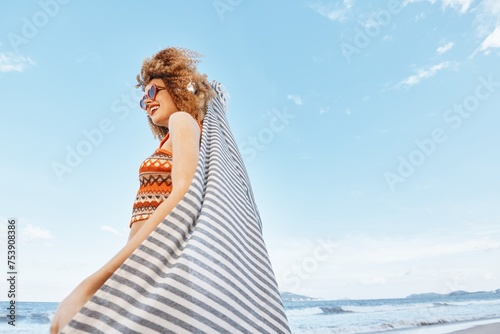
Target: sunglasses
150	95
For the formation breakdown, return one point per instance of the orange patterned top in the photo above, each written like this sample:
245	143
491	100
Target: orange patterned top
155	183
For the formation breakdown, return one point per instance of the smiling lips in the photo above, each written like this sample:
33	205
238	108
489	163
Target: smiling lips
153	109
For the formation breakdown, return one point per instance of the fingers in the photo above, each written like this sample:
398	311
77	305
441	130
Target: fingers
54	328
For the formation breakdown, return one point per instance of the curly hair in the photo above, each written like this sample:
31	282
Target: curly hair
176	67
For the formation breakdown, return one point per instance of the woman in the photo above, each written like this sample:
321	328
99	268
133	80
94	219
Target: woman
177	285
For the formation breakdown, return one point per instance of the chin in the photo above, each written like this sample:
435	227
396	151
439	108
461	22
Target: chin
157	120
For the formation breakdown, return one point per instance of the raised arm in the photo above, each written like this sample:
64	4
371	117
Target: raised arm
185	137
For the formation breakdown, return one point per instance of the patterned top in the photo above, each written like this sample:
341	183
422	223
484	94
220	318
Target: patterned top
155	183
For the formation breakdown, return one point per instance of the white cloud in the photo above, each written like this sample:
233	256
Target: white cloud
110	229
11	62
487	21
399	250
397	264
489	276
295	98
491	7
336	12
492	41
444	48
424	74
487	12
461	5
34	233
407	2
369	23
488	230
372	280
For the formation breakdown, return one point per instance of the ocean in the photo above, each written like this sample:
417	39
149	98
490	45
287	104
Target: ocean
377	315
322	317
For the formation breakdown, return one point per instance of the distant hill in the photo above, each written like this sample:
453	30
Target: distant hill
454	293
292	297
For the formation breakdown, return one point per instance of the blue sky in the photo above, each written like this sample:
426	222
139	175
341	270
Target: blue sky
369	131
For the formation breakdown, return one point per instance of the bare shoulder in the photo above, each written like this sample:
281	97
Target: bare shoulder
182	121
184	131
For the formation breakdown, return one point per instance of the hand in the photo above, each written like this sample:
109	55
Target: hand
70	306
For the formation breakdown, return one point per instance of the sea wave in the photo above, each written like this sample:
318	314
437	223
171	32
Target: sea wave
405	324
36	318
365	316
334	310
303	312
387	307
369	328
410	307
318	310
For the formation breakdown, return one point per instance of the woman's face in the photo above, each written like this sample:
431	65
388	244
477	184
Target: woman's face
162	106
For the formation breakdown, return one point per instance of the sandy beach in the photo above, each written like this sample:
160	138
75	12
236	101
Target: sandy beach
490	326
481	329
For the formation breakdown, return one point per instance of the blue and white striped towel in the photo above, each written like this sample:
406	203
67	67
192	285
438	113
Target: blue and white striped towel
205	268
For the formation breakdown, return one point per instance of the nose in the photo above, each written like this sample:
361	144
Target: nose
147	103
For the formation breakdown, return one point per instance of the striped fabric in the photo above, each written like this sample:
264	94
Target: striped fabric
205	268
